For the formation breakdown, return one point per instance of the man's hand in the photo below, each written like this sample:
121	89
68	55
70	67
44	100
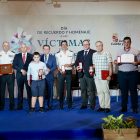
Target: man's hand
78	68
67	65
12	72
135	63
29	82
24	72
48	70
108	78
116	63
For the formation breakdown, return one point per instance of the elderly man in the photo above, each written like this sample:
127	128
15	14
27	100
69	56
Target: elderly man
6	57
102	60
128	76
21	62
86	80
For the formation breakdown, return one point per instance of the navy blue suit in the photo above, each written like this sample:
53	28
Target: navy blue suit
85	79
86	63
51	64
21	79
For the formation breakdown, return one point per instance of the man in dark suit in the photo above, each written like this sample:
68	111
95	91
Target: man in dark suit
86	80
20	63
50	62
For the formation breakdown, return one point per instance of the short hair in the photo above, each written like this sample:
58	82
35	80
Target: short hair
46	46
64	41
6	42
99	42
23	44
36	53
86	40
127	38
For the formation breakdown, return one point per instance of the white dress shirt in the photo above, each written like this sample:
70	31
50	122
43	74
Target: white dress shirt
63	59
33	69
6	58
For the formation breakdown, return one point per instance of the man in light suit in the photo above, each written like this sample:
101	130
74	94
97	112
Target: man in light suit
50	62
86	80
20	63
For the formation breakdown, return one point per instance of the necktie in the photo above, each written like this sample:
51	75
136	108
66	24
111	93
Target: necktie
46	59
85	55
24	58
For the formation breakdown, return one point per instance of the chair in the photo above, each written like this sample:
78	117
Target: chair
114	84
74	85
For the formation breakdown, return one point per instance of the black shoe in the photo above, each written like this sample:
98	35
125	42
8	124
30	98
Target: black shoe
50	108
60	108
135	111
32	111
70	107
41	109
82	107
123	110
107	110
92	107
19	108
100	109
1	109
12	109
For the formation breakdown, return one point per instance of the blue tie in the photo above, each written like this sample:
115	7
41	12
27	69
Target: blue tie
46	59
85	55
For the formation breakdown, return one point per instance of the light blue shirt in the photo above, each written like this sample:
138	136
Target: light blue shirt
129	67
33	70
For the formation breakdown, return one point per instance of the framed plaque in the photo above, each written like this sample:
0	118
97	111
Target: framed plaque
6	69
118	59
63	69
91	70
39	74
127	58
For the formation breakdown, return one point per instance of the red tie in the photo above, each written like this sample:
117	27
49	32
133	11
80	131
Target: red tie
24	58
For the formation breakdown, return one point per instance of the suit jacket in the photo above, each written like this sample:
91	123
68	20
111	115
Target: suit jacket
19	65
51	64
86	63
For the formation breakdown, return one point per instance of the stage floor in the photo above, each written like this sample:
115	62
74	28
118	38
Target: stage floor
57	124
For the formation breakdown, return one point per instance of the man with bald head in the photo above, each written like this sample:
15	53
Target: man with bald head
6	57
21	62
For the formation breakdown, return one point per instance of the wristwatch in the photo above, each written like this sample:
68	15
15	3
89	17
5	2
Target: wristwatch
137	63
110	76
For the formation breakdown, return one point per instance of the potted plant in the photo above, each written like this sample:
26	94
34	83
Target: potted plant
116	128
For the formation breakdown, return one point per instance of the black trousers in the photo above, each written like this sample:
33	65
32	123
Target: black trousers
61	79
20	82
128	81
9	79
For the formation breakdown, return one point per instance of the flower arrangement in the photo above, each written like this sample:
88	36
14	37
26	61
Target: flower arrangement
119	123
19	38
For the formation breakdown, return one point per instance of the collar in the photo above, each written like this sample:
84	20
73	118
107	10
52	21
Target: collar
87	50
25	54
128	50
4	52
101	52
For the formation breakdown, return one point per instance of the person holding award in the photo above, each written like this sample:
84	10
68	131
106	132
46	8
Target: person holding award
65	60
7	75
38	71
128	60
20	63
102	63
84	68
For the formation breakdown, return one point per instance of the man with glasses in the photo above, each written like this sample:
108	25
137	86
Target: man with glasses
86	80
65	60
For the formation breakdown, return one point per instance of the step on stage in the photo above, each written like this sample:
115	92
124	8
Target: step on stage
58	124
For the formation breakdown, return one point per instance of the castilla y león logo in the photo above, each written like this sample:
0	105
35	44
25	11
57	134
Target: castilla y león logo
116	40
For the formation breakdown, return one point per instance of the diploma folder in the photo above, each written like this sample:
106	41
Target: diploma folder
105	74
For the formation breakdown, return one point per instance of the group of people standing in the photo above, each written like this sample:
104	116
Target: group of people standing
27	64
